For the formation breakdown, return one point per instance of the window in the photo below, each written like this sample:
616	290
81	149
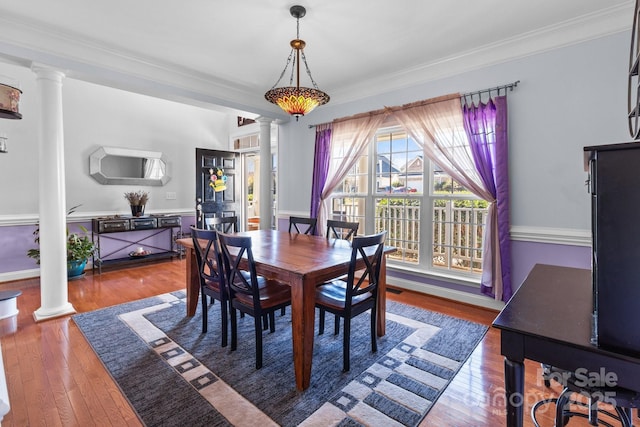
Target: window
435	223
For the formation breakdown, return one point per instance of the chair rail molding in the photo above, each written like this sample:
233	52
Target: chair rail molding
32	218
556	236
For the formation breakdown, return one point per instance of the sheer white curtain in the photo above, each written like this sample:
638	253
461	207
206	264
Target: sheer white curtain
439	127
154	168
354	136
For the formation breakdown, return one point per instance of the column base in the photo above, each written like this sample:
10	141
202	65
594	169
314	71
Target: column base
45	314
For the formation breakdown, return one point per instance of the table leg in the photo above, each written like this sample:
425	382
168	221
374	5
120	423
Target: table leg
382	298
514	391
192	282
303	317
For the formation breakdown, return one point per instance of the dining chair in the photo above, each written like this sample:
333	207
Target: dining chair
580	391
349	298
212	284
307	225
254	295
342	229
223	224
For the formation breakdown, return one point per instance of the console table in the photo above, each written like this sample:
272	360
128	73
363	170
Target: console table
548	320
117	238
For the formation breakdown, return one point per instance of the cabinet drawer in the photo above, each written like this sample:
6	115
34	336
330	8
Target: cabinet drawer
143	223
172	221
113	225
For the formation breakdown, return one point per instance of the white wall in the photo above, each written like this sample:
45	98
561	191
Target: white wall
97	116
567	99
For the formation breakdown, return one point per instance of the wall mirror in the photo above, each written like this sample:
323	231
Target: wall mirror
117	166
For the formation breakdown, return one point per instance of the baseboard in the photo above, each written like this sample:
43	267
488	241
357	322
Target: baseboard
19	275
28	274
451	294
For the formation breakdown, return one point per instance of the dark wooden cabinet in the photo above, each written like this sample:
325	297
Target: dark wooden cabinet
614	177
118	238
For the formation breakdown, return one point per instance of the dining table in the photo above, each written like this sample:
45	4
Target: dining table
302	261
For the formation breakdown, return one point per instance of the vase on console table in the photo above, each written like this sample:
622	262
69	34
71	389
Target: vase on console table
137	201
137	210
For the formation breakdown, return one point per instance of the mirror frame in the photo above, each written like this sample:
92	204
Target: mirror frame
95	166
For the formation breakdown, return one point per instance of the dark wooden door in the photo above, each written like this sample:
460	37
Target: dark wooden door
218	185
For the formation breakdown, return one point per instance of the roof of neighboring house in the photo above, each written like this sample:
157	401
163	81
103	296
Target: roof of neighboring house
384	165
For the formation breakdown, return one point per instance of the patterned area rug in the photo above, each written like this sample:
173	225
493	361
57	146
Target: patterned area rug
174	375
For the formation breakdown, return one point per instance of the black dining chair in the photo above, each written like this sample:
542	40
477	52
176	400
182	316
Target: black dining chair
254	295
345	230
578	387
349	298
223	224
302	225
212	283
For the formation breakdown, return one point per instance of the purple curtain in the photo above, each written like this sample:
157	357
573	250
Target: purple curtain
320	166
486	127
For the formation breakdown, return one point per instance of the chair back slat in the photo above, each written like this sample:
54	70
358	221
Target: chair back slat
208	257
344	230
362	247
237	278
223	224
298	224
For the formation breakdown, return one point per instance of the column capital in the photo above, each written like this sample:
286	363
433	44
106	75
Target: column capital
44	71
262	120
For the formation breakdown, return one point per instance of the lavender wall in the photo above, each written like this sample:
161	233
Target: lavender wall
524	255
16	240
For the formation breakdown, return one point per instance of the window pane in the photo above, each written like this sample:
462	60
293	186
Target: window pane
349	209
357	179
400	217
457	234
399	163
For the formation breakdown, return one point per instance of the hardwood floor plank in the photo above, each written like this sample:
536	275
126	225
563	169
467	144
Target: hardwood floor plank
55	378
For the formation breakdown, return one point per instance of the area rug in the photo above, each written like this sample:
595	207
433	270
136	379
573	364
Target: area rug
174	375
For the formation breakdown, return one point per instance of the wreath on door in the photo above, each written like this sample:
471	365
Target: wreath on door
217	179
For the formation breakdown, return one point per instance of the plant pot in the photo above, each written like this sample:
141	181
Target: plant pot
75	268
137	210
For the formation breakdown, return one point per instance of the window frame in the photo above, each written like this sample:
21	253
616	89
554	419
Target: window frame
427	198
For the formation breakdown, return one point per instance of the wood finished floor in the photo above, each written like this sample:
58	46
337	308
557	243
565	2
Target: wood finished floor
55	379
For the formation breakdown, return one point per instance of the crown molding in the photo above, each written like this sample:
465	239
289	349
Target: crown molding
23	41
578	30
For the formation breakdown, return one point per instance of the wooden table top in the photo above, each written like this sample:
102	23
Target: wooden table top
297	253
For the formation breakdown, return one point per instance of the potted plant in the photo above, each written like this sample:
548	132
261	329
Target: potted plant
79	248
137	200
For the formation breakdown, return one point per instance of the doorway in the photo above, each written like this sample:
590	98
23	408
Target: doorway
217	185
251	172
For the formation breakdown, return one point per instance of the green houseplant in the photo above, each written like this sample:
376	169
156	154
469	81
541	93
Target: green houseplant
79	248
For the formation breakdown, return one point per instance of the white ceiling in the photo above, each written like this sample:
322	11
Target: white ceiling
229	52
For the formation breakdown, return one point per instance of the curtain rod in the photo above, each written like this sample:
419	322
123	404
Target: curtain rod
385	110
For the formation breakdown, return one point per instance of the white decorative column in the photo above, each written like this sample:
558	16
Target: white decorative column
52	197
266	184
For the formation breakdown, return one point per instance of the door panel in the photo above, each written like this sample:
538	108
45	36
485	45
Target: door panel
209	202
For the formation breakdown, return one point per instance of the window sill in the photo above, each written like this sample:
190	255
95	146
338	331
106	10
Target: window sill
464	280
461	289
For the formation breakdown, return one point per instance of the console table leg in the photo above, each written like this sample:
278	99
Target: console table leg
514	390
